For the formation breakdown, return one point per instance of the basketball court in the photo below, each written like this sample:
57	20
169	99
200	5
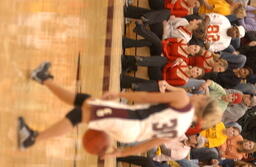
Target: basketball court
82	40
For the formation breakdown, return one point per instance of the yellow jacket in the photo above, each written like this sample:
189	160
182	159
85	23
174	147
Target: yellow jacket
215	135
220	6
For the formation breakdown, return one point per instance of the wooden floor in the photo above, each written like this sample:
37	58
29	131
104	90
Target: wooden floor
82	39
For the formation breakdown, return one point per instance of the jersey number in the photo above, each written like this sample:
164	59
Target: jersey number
165	129
103	112
212	33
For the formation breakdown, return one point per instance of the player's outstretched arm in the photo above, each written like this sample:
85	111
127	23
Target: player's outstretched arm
177	98
140	148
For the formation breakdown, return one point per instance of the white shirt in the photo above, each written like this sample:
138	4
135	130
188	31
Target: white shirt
217	32
171	30
178	150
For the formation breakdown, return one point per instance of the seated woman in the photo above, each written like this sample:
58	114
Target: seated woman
178	8
209	61
215	137
174	48
176	74
219	6
223	97
236	148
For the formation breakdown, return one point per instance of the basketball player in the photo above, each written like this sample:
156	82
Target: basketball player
163	116
220	32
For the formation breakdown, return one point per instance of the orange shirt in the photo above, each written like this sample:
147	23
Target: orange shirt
229	148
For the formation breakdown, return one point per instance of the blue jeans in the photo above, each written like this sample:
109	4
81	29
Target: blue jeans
234	45
246	88
142	161
187	163
204	154
193	85
234	61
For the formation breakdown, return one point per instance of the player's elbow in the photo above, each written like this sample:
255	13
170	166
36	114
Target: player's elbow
183	95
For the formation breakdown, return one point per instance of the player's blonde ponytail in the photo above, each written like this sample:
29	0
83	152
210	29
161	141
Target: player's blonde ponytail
210	113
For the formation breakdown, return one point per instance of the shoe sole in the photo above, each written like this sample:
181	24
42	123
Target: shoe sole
42	67
20	120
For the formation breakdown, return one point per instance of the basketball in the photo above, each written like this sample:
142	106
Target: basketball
95	142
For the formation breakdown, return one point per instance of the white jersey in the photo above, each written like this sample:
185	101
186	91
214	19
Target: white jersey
217	32
174	29
160	120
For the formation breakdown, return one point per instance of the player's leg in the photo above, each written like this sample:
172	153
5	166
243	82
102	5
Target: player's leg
27	137
42	75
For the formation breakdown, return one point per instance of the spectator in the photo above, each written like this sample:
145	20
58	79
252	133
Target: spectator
230	78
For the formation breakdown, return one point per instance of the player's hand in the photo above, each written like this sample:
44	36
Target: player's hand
110	96
162	86
114	154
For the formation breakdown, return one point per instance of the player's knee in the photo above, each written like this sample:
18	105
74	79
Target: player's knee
80	98
75	116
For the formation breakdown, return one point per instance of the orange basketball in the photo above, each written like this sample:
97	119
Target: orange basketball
95	142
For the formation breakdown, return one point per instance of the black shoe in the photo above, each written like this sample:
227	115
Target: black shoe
41	73
138	27
128	64
26	136
144	20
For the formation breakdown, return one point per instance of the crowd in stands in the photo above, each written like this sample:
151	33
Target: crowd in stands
206	47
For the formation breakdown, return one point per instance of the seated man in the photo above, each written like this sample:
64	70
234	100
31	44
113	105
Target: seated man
220	32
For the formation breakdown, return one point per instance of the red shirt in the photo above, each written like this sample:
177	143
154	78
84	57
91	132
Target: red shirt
170	74
200	61
171	47
176	8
